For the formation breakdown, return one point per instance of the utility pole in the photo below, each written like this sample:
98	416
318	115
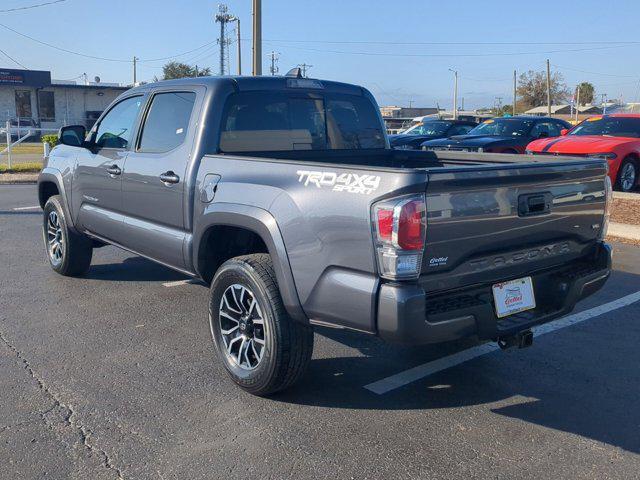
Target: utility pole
455	93
578	103
135	72
304	67
223	17
257	37
515	88
548	89
498	104
239	47
274	62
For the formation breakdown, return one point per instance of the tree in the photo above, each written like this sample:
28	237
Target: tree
587	92
174	69
532	89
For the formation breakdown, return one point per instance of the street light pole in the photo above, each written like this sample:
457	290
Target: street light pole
257	37
455	93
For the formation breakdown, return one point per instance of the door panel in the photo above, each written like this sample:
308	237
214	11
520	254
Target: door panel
153	182
100	190
98	175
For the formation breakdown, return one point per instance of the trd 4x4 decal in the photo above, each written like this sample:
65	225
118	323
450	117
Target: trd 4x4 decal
345	182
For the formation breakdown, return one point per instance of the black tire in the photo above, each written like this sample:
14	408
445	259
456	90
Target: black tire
73	251
288	344
626	165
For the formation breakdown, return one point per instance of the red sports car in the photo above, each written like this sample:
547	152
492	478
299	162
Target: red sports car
615	137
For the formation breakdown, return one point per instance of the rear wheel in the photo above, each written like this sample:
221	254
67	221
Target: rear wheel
69	253
261	347
627	175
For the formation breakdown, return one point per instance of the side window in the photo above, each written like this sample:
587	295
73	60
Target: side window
541	130
167	122
460	129
556	127
116	127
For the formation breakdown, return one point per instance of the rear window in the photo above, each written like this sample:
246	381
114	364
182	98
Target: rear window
266	121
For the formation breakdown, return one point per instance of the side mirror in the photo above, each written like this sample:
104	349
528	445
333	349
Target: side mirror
564	131
73	135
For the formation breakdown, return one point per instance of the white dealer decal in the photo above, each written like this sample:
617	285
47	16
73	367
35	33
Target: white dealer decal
345	182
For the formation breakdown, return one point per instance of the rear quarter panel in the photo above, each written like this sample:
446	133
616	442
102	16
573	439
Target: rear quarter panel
322	213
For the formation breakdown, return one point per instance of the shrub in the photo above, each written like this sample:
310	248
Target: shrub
52	140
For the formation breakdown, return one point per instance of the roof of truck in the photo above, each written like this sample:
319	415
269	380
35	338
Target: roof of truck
258	83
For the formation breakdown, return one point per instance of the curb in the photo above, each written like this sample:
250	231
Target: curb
626	196
622	230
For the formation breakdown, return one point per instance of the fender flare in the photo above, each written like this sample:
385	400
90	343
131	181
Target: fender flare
53	175
263	224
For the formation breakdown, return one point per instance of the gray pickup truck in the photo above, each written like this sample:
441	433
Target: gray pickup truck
282	193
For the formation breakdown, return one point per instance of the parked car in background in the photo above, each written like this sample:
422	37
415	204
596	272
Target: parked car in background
413	137
613	137
501	135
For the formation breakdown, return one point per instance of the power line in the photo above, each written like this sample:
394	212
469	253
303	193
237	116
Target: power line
449	55
12	59
365	42
106	59
31	6
595	73
63	49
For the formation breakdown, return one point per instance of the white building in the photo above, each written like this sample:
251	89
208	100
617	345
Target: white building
32	97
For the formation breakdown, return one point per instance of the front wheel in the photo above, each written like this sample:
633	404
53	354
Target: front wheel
627	175
261	347
69	253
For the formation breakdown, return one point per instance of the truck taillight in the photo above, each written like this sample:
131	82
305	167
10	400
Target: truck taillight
400	230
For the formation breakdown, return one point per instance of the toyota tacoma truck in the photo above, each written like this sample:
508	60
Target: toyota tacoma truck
284	195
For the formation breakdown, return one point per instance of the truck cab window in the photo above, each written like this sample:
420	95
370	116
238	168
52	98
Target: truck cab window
261	121
116	127
167	122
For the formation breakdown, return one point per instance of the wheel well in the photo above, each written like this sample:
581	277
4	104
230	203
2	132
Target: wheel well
222	242
47	190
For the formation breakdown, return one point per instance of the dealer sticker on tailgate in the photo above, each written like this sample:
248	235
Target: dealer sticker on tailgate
514	296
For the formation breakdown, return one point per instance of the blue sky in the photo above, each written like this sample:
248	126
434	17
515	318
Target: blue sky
511	35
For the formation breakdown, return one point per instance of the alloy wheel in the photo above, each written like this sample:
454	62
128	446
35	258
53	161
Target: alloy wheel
628	177
55	240
242	326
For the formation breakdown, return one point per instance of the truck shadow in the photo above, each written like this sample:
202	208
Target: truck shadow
582	380
134	269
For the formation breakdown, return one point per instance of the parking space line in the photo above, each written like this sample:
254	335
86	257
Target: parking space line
26	208
177	283
401	379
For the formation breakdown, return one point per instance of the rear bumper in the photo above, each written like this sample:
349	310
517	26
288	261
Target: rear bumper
407	315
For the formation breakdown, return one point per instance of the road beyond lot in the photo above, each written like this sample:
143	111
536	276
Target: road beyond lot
114	376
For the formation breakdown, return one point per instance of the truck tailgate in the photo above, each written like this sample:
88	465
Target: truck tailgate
495	222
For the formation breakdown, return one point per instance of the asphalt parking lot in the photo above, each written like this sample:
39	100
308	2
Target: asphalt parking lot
114	376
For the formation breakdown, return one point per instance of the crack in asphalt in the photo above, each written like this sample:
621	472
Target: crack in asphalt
66	413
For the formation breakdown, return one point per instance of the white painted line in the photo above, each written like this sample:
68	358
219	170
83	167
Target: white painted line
421	371
177	283
27	208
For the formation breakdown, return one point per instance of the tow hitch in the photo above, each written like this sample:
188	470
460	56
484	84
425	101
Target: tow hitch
521	340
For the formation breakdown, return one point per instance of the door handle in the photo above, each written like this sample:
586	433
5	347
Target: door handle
114	170
169	177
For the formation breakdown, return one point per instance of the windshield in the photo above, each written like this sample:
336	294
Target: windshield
609	126
504	127
428	128
276	121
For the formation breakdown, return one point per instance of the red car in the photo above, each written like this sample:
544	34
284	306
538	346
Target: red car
615	137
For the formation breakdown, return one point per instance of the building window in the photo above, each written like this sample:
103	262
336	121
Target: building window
23	103
47	106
